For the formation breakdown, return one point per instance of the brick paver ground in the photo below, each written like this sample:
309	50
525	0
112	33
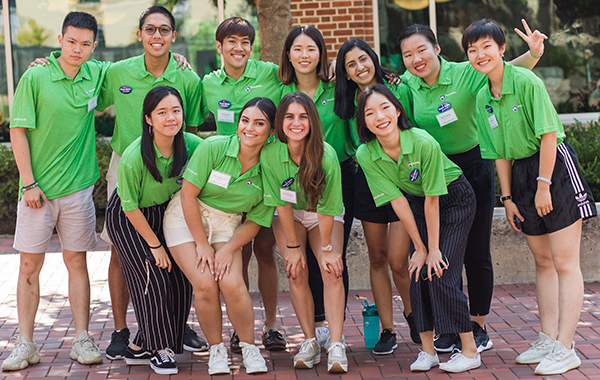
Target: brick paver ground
511	325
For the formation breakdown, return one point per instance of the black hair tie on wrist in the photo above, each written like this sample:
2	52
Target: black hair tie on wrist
294	247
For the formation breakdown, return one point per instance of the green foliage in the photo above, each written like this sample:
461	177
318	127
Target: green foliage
103	153
585	139
35	36
9	178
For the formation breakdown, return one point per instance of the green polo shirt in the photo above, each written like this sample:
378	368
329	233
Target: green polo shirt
225	97
336	131
216	169
422	168
446	110
511	127
280	175
126	85
137	188
402	93
58	113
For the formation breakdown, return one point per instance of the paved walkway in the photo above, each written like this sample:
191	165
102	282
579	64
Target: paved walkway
512	324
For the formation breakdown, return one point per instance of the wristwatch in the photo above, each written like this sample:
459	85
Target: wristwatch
505	198
327	248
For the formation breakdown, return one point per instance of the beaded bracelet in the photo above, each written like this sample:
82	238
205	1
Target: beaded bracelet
29	187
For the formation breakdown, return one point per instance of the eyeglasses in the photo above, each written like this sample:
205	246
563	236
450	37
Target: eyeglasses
150	29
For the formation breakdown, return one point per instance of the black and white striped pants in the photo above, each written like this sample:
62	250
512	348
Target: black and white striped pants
441	303
161	299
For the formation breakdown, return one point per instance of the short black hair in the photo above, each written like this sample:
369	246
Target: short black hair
235	26
80	20
364	134
480	29
157	9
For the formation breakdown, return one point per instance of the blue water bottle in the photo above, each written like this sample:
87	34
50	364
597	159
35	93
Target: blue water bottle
370	325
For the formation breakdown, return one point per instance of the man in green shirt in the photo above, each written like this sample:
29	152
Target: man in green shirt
52	135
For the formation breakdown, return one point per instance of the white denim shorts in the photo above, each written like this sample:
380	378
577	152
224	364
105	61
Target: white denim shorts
73	215
310	219
218	225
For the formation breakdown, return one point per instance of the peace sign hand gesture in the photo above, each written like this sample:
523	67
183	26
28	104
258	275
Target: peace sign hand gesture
535	39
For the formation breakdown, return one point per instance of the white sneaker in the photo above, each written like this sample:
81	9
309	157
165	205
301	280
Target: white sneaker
218	362
336	358
85	350
559	360
425	362
460	363
308	355
323	336
23	354
253	360
538	350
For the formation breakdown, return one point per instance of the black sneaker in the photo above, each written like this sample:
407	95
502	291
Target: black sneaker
234	343
273	340
414	334
163	362
482	340
387	343
192	342
446	342
137	357
119	340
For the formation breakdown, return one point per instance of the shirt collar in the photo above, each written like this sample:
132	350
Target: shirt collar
159	155
168	75
445	77
249	72
406	144
58	74
233	148
508	85
318	93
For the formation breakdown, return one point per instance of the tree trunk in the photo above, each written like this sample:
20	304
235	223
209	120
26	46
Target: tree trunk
274	21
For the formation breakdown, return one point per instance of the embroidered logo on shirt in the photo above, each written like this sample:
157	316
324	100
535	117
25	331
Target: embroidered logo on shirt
224	103
324	101
288	182
179	181
410	164
87	92
442	97
248	88
414	175
125	90
444	107
250	183
515	108
489	108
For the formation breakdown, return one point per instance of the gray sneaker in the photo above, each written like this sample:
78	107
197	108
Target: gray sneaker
85	350
538	350
23	354
559	360
308	355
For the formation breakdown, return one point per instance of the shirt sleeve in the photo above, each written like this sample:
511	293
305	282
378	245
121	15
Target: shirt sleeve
382	188
194	112
129	183
331	202
106	98
540	108
23	111
200	166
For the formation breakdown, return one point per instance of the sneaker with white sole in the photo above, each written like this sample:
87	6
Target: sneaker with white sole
460	363
308	355
23	354
538	350
559	360
253	360
137	357
218	361
119	340
85	350
425	362
163	362
386	344
323	336
192	342
336	358
481	337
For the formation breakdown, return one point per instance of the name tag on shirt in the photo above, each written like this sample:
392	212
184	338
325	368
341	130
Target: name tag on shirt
493	121
226	116
219	179
287	195
93	103
447	117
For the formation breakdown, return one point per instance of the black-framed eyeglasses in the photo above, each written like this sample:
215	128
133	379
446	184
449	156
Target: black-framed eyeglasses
150	29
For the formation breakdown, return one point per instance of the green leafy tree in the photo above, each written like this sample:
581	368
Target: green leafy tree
35	35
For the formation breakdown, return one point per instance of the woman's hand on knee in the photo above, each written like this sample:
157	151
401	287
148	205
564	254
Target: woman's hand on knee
435	264
161	258
295	260
223	260
417	261
332	263
205	256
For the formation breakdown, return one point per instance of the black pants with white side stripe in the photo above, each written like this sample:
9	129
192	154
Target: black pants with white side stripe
441	303
161	299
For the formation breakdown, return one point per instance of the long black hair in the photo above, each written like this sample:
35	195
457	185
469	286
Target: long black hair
180	155
364	134
287	73
345	89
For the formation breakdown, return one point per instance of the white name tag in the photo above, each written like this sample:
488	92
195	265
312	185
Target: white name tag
287	195
93	103
493	121
226	116
447	117
219	179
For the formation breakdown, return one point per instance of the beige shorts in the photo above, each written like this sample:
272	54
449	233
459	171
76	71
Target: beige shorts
310	219
73	215
218	225
111	185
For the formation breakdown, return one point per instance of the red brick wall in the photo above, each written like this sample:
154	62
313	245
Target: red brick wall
338	20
